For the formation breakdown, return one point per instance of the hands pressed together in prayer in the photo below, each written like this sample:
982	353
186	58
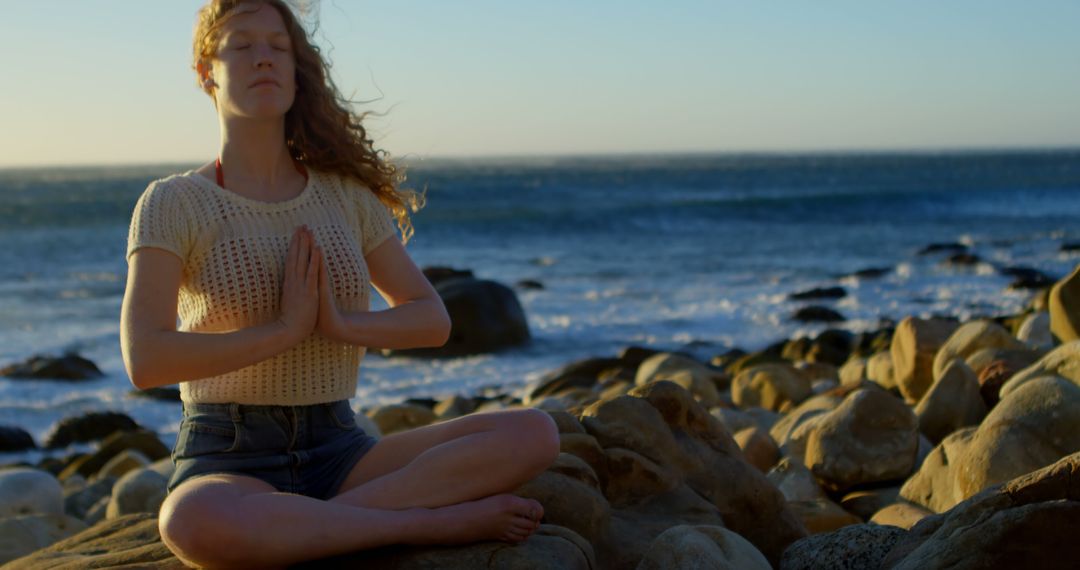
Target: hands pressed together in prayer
307	296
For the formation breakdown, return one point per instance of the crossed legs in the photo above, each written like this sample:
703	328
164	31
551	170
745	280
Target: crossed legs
446	483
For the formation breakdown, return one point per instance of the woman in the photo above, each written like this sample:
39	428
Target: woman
266	254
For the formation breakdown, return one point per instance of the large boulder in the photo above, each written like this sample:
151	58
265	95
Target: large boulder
914	346
143	441
139	491
934	484
13	438
25	491
486	316
24	534
1065	307
88	427
871	436
970	338
1063	361
66	367
1028	522
702	547
1034	331
702	381
581	374
770	386
951	403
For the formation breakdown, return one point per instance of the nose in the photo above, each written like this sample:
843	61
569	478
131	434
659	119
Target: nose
263	56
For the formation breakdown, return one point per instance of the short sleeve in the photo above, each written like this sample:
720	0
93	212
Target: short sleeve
376	222
159	221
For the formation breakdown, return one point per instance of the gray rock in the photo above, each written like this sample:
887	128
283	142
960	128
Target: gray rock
853	547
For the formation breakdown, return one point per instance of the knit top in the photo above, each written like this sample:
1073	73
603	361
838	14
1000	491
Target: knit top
233	251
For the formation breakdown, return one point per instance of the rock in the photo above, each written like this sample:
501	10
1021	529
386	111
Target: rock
24	534
67	367
871	273
822	515
25	491
815	313
865	503
951	403
737	420
13	438
819	293
879	370
400	417
702	547
819	372
583	374
943	247
165	467
98	511
871	436
79	503
1027	277
1015	360
832	346
1028	522
486	317
1032	427
934	485
659	436
1063	361
1070	246
854	547
129	542
968	339
1065	307
121	463
758	448
436	274
144	441
853	372
88	427
1035	331
530	285
139	491
454	407
795	481
914	346
783	429
158	393
769	386
962	260
901	515
703	382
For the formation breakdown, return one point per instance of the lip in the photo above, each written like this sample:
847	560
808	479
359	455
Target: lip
265	81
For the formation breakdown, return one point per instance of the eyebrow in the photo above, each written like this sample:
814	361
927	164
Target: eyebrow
249	32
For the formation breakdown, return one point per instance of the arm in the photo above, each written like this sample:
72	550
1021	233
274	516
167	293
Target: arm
416	317
156	354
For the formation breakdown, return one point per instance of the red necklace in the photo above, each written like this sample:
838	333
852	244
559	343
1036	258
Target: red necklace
221	175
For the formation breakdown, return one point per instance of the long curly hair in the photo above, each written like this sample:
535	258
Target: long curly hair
320	130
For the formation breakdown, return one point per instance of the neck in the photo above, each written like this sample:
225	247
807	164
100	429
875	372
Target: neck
255	150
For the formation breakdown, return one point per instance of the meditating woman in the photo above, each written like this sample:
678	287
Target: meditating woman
268	255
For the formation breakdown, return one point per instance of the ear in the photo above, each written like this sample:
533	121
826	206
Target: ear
206	74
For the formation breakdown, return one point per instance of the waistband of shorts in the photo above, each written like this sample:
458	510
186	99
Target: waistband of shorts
235	409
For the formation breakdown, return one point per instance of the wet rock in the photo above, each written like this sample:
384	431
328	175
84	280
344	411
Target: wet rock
1024	523
88	427
702	546
871	436
530	285
815	313
14	438
962	260
819	293
1065	307
855	547
914	346
970	338
66	367
938	247
951	403
871	273
1070	246
24	534
25	491
769	386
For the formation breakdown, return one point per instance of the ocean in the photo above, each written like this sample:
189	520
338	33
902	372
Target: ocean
694	252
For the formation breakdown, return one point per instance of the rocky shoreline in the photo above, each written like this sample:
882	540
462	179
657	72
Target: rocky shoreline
933	443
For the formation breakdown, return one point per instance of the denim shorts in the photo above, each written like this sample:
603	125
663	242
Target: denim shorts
306	450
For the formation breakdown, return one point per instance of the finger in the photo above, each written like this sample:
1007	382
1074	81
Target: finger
294	250
305	255
313	271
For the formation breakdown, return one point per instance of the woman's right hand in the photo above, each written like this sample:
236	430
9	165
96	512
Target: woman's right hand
300	290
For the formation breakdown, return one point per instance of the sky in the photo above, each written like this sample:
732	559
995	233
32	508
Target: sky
110	82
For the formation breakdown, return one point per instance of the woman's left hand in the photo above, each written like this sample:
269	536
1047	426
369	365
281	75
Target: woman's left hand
331	323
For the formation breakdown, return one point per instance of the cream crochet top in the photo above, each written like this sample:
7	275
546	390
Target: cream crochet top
233	249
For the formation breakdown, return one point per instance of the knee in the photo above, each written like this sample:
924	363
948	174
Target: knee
195	529
542	431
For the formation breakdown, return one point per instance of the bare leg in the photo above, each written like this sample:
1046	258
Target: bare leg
221	520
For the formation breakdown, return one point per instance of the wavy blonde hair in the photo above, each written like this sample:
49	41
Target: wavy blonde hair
320	130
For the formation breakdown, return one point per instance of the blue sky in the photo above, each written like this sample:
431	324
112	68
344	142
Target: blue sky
109	81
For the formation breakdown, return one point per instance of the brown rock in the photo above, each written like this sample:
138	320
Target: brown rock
401	417
871	436
970	338
701	380
951	403
903	515
914	346
879	370
823	515
130	541
769	386
1028	522
1065	307
1063	361
795	481
865	503
758	448
934	484
702	546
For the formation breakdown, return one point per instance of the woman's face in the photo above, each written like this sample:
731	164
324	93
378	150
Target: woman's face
254	69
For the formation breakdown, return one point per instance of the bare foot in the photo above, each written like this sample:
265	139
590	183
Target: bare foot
503	517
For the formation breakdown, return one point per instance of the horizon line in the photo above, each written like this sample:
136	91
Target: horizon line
479	158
